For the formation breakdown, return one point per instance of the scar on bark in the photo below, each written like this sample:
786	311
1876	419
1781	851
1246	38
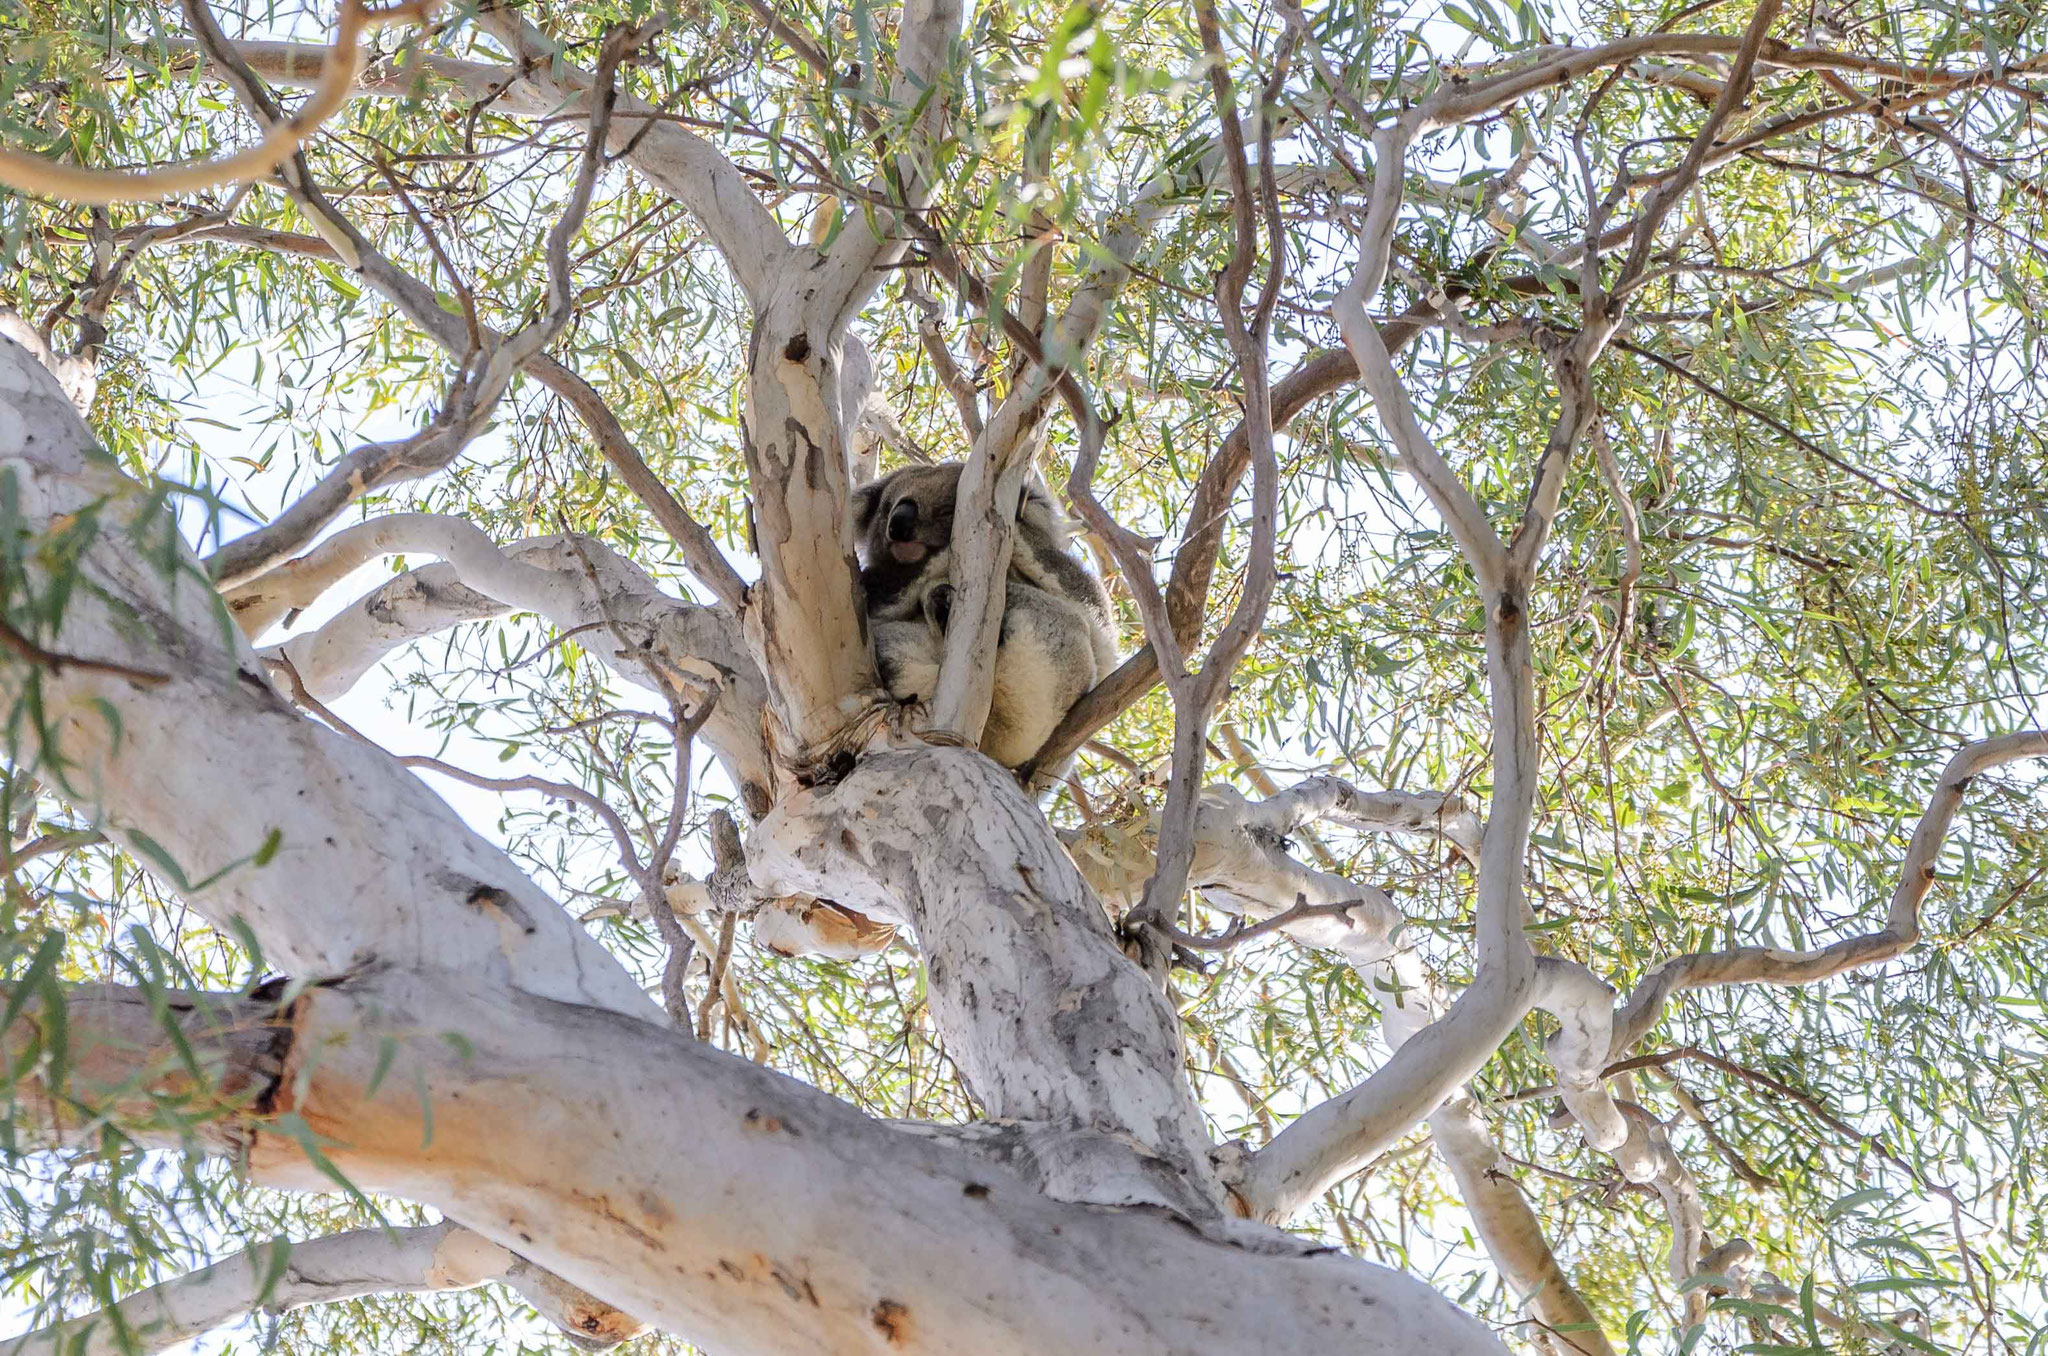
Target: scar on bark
490	898
282	1055
892	1320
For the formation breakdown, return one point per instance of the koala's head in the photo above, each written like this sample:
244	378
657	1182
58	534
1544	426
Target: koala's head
907	515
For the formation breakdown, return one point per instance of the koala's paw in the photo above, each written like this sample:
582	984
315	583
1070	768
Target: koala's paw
938	605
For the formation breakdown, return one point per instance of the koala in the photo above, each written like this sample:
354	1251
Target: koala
1057	639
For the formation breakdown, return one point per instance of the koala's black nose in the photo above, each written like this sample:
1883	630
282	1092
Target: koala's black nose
903	521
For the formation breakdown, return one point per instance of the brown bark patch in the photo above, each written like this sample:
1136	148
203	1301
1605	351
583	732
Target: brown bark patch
601	1206
757	1119
655	1208
283	1055
602	1324
892	1320
794	1285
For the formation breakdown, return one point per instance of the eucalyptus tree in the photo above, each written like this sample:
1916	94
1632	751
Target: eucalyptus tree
1560	865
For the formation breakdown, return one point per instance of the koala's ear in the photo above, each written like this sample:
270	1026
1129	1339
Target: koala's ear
1036	509
865	501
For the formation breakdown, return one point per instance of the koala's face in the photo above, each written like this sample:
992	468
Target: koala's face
906	516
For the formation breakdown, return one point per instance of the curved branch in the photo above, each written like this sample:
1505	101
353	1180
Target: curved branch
1462	515
1194	564
101	187
1335	1138
482	378
673	644
1771	965
1496	85
1512	1234
418	303
278	1277
545	82
1443	813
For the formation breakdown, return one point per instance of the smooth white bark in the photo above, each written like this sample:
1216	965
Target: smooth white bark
732	1205
276	1278
1045	1017
210	778
656	641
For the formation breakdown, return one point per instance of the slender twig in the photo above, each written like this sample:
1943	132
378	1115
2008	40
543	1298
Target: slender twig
1733	92
56	661
65	840
716	982
1239	932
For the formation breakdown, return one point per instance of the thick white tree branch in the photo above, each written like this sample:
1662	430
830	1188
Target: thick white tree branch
985	509
1003	450
276	1278
725	1202
801	621
262	795
1638	1144
921	94
1512	1234
1045	1017
78	377
656	641
804	391
458	996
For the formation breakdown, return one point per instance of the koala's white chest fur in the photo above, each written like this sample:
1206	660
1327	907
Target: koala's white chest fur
1057	640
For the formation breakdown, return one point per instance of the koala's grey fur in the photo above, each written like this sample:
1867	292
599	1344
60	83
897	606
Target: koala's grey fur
1057	637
